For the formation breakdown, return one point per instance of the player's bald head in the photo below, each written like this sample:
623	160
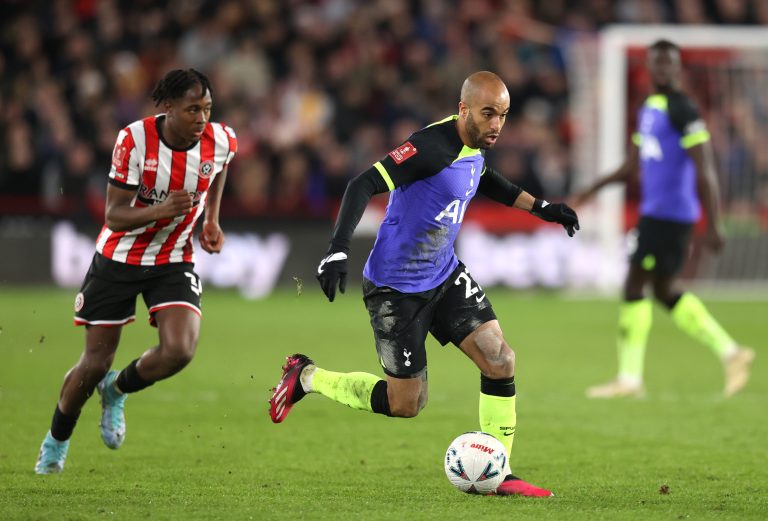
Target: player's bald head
482	110
483	86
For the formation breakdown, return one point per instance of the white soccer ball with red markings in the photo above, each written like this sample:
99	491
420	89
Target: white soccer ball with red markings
476	463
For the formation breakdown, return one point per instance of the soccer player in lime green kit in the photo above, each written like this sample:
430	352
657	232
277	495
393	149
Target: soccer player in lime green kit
677	178
413	282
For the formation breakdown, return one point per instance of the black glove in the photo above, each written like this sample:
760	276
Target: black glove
556	213
332	271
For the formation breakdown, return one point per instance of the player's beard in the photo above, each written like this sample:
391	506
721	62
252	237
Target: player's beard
474	133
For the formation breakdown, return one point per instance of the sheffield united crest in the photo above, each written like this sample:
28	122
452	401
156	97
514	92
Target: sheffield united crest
206	169
79	301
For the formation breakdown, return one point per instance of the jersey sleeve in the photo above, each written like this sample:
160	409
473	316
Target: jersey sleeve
686	119
125	170
232	137
417	158
497	187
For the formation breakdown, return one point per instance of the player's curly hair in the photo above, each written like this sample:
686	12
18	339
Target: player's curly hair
178	81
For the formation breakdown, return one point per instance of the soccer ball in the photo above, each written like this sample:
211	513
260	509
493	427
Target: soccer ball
476	463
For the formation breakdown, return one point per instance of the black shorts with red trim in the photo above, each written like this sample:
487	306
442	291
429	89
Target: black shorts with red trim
109	291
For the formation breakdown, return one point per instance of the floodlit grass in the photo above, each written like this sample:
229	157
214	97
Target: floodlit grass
201	445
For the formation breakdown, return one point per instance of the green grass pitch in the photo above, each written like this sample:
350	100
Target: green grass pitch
201	445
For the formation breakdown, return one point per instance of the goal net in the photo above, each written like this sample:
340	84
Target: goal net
726	73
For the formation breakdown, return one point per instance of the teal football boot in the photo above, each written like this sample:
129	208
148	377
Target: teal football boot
112	411
52	455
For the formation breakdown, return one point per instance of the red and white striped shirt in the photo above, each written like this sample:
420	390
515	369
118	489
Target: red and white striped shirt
142	161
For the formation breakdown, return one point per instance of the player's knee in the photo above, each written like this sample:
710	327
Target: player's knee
661	297
405	410
501	366
182	356
423	398
634	288
99	353
96	363
91	370
665	296
407	407
179	352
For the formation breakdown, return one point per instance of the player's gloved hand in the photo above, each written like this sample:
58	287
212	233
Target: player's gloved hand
332	271
556	213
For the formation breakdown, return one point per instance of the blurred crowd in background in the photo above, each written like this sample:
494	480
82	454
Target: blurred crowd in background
316	90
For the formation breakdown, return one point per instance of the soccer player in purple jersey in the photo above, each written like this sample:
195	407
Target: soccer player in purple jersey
413	282
677	176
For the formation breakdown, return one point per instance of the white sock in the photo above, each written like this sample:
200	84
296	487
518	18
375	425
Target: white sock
306	378
630	380
729	353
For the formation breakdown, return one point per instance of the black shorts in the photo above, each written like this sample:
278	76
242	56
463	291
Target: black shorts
662	246
109	291
401	321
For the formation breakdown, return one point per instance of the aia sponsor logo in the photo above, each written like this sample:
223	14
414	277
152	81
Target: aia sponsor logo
206	169
403	152
150	164
118	155
79	301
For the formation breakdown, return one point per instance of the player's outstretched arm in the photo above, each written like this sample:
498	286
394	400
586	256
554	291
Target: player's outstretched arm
332	270
621	175
121	216
498	188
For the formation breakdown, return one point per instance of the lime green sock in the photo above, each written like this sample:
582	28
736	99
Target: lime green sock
498	417
635	319
692	317
352	389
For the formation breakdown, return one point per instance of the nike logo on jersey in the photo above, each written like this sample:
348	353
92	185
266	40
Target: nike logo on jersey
480	299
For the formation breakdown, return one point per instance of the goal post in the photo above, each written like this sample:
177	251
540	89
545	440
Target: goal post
732	58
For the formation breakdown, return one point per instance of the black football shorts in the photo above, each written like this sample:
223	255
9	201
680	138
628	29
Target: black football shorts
401	321
662	246
109	291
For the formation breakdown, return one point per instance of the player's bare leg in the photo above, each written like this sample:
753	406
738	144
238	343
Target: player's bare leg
100	346
487	348
178	328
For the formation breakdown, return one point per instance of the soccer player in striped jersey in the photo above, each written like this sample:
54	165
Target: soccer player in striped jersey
166	171
677	176
414	283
